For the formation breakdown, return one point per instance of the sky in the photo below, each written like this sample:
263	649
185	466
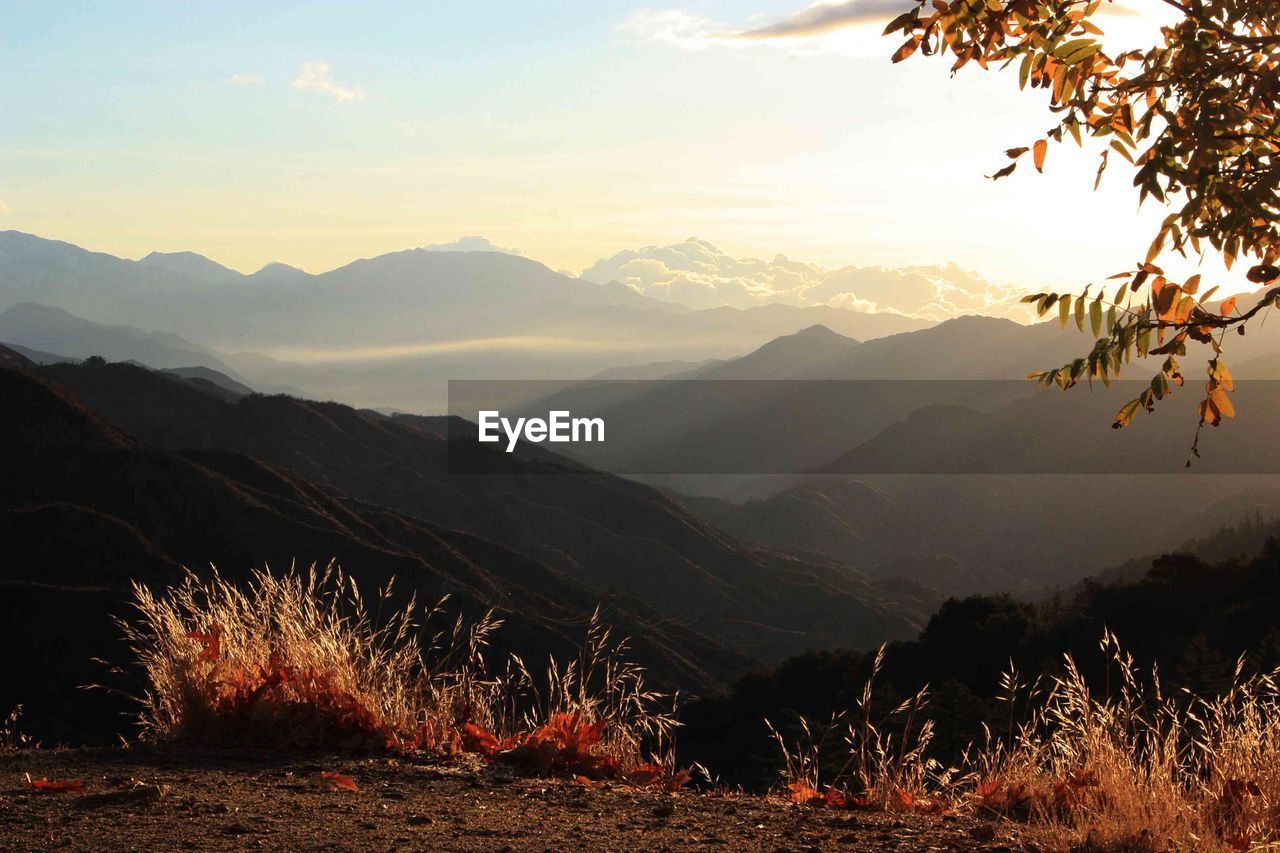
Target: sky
573	130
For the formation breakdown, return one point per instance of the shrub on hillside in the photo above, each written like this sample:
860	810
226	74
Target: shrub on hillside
296	660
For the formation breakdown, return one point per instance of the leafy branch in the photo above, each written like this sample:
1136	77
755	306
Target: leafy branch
1197	115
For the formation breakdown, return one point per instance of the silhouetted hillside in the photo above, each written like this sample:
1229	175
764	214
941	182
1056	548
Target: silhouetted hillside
238	481
607	533
85	509
1191	618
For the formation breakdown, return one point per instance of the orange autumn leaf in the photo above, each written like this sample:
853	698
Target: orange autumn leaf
338	782
903	800
1038	152
1220	401
211	641
1228	306
476	739
802	793
58	786
908	47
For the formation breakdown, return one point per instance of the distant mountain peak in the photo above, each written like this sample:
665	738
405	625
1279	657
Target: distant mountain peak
279	271
191	264
819	332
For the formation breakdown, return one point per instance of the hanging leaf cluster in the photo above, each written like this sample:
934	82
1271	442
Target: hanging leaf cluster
1196	114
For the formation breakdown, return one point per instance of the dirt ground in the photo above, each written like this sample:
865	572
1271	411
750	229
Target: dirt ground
174	799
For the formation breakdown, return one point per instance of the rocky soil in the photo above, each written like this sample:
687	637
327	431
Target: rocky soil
177	799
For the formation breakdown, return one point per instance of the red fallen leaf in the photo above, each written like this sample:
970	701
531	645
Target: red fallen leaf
802	793
934	807
476	739
563	746
587	783
648	773
57	786
678	780
652	775
338	782
903	800
835	798
212	643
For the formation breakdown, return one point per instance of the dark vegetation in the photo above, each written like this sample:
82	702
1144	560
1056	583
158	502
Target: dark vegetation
1190	618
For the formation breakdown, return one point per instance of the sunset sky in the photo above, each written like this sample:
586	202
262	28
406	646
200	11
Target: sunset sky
572	130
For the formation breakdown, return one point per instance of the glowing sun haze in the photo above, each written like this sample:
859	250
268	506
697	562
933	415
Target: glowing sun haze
576	130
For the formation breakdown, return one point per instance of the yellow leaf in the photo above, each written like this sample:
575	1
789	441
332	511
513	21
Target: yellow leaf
1224	377
1219	400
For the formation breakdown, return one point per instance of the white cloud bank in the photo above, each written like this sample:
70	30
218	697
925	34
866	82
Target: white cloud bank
849	27
697	274
315	77
471	244
4	208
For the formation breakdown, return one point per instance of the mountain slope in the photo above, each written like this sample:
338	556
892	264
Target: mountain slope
808	353
40	327
603	532
85	509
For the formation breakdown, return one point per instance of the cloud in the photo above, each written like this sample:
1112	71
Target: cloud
471	244
4	208
675	27
697	274
845	27
822	18
245	80
314	77
821	28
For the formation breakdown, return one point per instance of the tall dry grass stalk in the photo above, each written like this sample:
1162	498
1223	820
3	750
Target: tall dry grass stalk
1134	769
300	659
885	759
1140	769
603	687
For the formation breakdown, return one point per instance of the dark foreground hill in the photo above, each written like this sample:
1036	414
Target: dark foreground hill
114	473
85	510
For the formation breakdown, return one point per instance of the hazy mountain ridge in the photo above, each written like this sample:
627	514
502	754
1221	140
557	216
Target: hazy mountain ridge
53	330
603	532
959	533
387	331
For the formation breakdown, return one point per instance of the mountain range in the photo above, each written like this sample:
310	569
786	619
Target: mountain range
388	331
149	473
717	573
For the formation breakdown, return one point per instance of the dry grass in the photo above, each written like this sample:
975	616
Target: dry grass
885	760
1136	771
1142	770
11	735
300	660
